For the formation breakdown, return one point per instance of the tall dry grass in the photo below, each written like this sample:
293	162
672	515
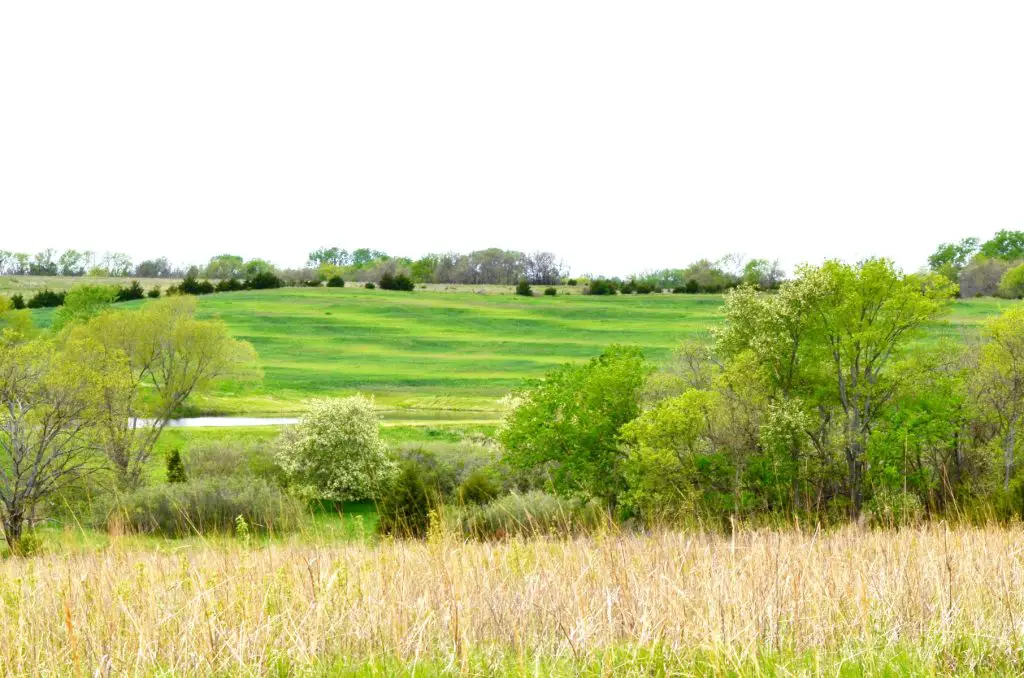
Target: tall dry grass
234	609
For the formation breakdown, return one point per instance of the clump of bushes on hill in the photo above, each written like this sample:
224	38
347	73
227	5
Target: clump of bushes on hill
370	286
17	302
523	288
601	287
550	292
400	282
336	281
208	506
46	299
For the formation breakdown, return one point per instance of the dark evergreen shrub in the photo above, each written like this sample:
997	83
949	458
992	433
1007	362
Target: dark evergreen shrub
550	292
523	289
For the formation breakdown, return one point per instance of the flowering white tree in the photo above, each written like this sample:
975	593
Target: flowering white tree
336	452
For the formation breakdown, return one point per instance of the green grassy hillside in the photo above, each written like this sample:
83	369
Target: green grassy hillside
455	350
451	350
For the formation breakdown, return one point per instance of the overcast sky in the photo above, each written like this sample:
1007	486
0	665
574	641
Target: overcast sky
622	136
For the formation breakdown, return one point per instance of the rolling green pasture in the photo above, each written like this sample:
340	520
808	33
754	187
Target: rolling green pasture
451	351
427	355
455	351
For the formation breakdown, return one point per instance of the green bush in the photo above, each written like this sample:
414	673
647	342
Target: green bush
479	487
230	285
404	510
370	286
550	292
523	289
154	293
399	282
210	506
601	287
130	293
530	515
17	302
892	508
263	281
227	458
336	281
46	299
175	468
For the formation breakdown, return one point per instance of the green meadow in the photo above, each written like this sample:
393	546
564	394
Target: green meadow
455	351
447	356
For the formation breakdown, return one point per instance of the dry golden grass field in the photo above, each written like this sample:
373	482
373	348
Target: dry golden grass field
923	601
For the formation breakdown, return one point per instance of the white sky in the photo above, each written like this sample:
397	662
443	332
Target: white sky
622	136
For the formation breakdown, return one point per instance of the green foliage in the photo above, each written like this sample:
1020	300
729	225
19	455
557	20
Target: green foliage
530	515
153	293
404	509
335	281
399	282
1007	245
888	508
370	286
601	287
17	302
46	299
550	292
1012	283
523	288
263	280
336	452
569	422
133	292
479	487
175	468
225	266
949	259
209	506
82	303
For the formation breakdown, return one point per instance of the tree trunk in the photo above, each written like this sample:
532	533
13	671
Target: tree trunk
1009	443
855	471
14	525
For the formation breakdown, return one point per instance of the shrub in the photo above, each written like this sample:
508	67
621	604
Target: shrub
572	282
229	285
479	487
370	286
891	508
336	281
530	515
229	458
523	289
210	506
400	282
550	292
130	293
154	293
404	510
1012	283
46	299
264	280
312	283
601	287
194	287
336	452
17	302
175	468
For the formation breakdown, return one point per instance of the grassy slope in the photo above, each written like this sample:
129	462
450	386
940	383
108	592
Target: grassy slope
455	350
30	284
451	350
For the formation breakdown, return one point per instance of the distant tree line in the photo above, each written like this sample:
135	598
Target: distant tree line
74	263
994	267
492	266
